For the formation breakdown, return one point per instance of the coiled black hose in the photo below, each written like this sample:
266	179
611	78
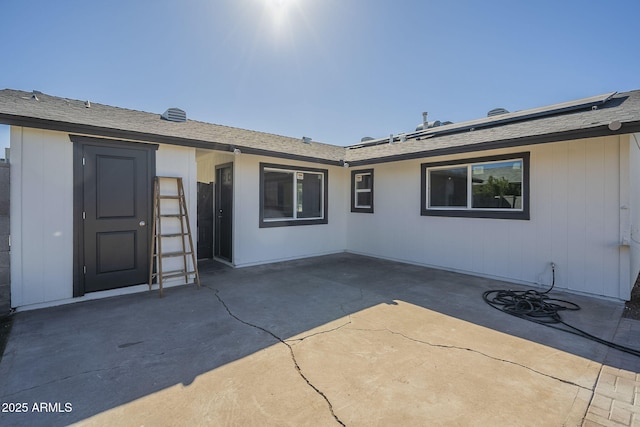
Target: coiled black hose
538	307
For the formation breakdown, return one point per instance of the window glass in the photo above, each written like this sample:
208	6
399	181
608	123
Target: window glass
278	194
363	199
292	196
309	188
363	181
448	187
497	185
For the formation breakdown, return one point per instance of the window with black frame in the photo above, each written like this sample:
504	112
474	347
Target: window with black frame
362	191
292	196
487	187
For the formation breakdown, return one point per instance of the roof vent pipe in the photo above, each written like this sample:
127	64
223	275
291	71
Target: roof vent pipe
425	123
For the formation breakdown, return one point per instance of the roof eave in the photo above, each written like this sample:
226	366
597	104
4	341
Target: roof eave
60	126
627	128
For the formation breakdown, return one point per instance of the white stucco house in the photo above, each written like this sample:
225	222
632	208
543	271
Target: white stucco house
499	197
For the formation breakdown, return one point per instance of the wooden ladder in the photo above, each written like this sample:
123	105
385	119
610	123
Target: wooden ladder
177	220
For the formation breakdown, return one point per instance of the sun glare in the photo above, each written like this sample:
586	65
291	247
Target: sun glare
279	11
279	3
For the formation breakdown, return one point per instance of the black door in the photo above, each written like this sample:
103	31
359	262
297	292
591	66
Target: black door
205	220
116	208
224	214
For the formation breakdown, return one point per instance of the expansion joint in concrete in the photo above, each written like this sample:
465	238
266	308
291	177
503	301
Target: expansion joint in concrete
291	352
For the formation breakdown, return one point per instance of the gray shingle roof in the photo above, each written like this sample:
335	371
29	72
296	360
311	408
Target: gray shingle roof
50	112
624	107
58	113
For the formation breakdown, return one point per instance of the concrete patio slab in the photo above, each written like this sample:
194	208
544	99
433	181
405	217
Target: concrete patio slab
340	339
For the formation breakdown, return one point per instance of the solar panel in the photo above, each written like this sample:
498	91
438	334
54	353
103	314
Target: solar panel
499	119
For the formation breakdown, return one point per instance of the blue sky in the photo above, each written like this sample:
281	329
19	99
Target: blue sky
333	70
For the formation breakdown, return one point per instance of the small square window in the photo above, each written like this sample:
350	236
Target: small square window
362	191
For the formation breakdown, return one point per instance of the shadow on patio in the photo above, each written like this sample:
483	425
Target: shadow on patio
321	341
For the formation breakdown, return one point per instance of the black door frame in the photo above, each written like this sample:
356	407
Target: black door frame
217	226
79	142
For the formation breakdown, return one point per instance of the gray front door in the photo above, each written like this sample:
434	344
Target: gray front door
116	209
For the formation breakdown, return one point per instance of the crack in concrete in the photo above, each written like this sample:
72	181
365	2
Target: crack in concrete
474	351
293	356
320	332
586	410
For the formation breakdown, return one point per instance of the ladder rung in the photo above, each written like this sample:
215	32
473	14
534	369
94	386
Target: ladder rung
174	235
174	254
175	273
170	197
171	215
168	276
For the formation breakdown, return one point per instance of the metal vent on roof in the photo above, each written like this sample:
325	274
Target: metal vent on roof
497	112
433	124
175	115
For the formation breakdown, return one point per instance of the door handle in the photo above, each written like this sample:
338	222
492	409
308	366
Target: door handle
142	223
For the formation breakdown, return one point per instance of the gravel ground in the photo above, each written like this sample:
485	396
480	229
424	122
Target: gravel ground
632	307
